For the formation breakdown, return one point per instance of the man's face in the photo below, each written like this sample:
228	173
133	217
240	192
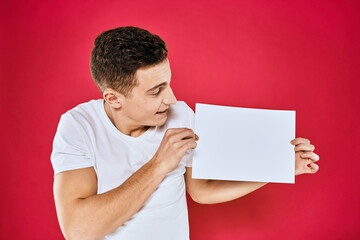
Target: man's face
152	95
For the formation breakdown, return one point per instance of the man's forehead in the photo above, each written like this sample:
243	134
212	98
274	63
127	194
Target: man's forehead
153	77
154	69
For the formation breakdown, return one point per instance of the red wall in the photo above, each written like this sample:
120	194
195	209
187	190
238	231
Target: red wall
286	55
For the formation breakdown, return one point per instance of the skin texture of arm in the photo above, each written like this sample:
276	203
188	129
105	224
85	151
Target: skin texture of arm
85	215
217	191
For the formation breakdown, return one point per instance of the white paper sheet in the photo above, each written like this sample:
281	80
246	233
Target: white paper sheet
244	144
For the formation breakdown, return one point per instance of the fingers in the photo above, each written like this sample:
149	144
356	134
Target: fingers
313	168
313	156
180	134
187	144
299	140
304	147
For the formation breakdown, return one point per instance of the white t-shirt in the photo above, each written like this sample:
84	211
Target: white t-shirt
86	137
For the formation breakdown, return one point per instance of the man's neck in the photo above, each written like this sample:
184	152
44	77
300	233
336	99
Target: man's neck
127	130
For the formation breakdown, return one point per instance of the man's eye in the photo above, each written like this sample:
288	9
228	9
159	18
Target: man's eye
157	93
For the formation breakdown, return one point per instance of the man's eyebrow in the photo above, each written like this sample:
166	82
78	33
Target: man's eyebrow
159	85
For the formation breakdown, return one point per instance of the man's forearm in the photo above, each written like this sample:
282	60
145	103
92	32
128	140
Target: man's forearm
99	215
218	191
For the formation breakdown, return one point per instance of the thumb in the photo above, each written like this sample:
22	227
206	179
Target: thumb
196	137
313	168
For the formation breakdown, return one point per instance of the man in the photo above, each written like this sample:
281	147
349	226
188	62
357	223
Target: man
122	163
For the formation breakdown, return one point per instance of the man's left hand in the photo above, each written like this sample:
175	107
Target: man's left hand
304	156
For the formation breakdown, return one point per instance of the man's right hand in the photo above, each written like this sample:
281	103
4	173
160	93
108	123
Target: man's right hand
175	143
84	214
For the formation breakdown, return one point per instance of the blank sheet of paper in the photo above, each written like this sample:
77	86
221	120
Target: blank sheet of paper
244	144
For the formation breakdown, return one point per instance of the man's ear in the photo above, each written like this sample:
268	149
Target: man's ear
113	98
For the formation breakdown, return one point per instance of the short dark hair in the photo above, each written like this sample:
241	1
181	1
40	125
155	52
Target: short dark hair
118	53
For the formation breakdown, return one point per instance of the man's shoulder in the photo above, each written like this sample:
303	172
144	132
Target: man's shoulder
179	115
84	110
181	106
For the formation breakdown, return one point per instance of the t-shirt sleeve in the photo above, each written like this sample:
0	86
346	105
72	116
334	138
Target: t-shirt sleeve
190	153
69	148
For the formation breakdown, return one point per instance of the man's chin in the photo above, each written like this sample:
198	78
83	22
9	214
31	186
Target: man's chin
161	122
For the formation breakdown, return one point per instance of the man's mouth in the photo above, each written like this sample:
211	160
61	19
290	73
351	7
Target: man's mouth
163	111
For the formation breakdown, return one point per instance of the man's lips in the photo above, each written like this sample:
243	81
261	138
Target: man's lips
163	111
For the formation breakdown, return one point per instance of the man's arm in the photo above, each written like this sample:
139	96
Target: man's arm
84	215
217	191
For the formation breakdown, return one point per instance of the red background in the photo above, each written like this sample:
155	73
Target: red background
285	55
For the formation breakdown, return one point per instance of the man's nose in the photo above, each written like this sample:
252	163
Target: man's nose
170	99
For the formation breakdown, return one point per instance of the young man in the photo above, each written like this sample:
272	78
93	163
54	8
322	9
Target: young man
122	164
